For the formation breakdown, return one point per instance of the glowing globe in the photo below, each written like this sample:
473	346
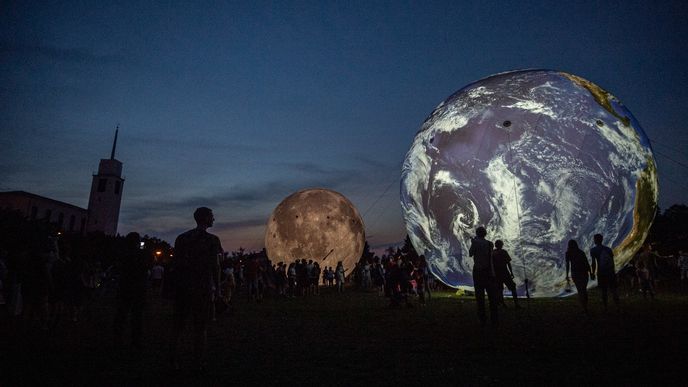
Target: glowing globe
538	157
315	224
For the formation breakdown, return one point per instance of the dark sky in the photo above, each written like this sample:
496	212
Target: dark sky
235	106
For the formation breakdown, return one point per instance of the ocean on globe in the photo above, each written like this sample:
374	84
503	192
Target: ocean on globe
538	157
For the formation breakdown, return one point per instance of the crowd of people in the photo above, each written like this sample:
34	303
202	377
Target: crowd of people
47	283
256	277
492	272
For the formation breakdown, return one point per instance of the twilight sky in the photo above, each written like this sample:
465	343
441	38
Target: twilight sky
237	105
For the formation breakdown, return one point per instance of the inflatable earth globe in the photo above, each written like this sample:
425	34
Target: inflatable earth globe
537	157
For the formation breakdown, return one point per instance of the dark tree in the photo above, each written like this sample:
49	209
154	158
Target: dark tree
669	231
366	255
408	250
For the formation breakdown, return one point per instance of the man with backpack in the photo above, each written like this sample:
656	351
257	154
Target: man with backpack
603	267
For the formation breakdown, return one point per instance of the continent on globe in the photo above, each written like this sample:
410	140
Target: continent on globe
317	224
538	157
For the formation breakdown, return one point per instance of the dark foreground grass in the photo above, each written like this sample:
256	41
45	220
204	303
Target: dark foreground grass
356	339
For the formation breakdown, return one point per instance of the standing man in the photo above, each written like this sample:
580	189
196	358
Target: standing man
505	274
131	292
603	267
251	270
483	275
579	268
195	274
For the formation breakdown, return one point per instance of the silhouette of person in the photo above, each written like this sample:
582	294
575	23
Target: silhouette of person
406	270
157	274
36	279
196	274
339	276
60	283
251	272
504	272
378	275
579	268
484	275
683	267
603	266
649	259
228	281
131	292
291	279
421	277
644	280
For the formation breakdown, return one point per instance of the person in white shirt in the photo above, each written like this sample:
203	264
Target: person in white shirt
157	273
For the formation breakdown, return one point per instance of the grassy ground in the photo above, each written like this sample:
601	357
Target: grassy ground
355	339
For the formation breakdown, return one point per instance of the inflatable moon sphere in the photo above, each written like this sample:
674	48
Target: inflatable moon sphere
317	224
538	157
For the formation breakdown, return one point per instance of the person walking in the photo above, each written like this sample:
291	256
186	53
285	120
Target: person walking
484	275
195	273
504	272
579	269
603	267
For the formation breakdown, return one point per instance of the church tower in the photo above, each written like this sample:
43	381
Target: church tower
106	195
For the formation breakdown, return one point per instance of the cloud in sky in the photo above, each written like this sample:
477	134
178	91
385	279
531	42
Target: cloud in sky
238	105
241	211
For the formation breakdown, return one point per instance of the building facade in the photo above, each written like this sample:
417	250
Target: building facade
104	202
67	217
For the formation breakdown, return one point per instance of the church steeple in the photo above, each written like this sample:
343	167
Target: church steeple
106	194
114	144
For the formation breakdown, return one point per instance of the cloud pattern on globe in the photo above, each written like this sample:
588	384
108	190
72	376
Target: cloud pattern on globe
538	157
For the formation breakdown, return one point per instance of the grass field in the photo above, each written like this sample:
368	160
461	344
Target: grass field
356	339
